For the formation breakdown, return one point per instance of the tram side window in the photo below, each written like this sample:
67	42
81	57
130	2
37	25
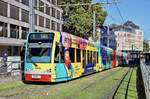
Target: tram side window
91	57
84	56
85	53
88	55
58	55
108	57
97	57
78	55
62	53
94	57
111	56
72	54
119	59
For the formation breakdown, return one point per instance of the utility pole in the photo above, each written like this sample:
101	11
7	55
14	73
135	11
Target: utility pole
108	36
132	51
94	25
32	16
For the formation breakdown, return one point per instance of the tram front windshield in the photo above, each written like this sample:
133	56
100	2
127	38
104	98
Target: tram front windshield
39	47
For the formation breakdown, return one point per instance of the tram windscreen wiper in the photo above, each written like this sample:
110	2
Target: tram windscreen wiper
32	60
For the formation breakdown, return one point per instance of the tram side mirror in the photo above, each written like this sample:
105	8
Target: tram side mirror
29	55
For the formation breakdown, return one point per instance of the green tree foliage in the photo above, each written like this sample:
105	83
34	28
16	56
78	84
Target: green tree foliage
79	19
78	22
100	14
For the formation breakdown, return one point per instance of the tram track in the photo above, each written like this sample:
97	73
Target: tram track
103	78
29	91
112	92
94	83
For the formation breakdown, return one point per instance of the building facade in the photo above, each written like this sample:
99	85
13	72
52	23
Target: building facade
107	37
128	39
14	22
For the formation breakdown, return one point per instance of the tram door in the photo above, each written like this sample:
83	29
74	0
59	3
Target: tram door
84	58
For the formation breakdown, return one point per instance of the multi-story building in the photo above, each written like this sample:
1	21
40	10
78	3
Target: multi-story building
107	37
128	38
14	22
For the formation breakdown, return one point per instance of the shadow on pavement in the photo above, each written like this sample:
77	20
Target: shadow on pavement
140	84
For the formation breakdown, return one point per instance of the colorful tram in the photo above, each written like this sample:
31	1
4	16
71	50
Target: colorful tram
58	56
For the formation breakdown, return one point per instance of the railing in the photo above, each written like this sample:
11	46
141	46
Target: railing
145	71
11	70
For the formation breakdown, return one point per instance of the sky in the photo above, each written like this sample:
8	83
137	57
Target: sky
137	11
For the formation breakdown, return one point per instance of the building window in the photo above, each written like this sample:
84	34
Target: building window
48	23
24	32
48	0
14	31
3	8
41	21
41	4
25	16
53	25
35	19
47	10
15	50
26	2
14	12
53	12
3	29
58	26
35	4
58	14
54	2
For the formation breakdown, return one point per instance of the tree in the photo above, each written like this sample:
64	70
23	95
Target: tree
78	22
78	19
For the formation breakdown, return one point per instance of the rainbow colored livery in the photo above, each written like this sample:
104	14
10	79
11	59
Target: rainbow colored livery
59	56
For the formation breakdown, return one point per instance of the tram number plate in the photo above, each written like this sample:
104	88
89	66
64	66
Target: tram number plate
36	76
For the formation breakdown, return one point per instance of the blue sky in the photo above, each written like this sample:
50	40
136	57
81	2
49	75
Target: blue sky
137	11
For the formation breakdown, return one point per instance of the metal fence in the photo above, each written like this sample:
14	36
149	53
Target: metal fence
11	70
145	70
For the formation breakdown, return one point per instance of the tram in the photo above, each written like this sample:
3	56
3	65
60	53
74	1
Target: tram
59	56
